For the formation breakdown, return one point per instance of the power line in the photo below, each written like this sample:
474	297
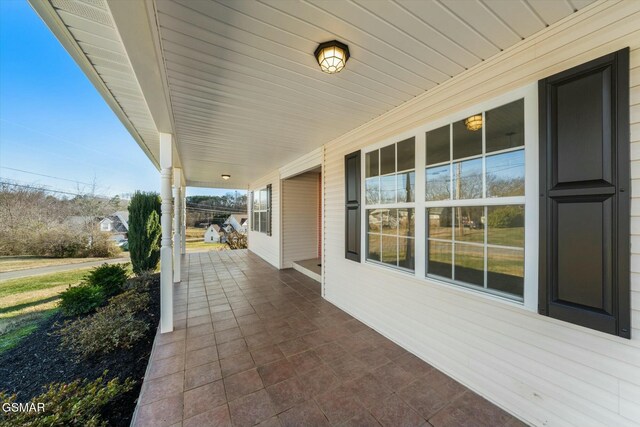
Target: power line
46	176
31	187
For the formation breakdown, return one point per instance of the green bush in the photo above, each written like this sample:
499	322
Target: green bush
78	403
506	216
81	299
111	278
111	327
144	231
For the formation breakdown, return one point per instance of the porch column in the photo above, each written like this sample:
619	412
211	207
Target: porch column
183	246
166	261
177	224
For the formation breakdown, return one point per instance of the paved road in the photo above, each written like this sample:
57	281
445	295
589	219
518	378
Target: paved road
56	268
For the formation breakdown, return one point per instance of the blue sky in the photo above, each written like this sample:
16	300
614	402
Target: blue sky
54	122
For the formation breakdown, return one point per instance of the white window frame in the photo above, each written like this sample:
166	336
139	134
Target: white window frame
531	201
264	210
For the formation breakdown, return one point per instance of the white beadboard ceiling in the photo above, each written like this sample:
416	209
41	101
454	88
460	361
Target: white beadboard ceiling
245	93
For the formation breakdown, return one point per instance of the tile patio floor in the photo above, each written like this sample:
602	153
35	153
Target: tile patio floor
254	345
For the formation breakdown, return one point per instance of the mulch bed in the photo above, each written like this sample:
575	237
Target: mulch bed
39	360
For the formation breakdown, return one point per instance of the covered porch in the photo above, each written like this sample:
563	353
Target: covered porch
253	344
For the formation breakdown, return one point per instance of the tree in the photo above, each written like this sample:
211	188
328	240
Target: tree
144	231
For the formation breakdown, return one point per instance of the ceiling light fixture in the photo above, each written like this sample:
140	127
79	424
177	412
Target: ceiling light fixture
226	177
474	122
332	56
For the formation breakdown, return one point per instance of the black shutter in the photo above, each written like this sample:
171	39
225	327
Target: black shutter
584	195
352	206
269	210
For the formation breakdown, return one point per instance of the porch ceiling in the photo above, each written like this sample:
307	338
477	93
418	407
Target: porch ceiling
243	92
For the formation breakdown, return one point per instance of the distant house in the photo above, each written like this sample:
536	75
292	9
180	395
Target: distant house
236	222
213	234
117	224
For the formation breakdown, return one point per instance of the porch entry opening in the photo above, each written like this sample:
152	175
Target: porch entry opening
302	223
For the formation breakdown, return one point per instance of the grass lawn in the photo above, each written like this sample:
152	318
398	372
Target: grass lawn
25	302
200	245
13	263
195	233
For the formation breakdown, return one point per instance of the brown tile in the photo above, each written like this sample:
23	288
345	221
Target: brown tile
203	398
372	358
393	376
236	363
349	368
394	412
291	347
232	347
429	394
161	388
160	413
251	409
198	312
218	417
164	367
202	341
258	340
248	320
363	418
318	381
241	384
471	410
228	335
306	414
304	362
275	372
164	351
171	337
271	422
199	330
368	390
224	315
252	329
203	374
285	394
339	404
414	364
201	356
266	355
330	352
223	325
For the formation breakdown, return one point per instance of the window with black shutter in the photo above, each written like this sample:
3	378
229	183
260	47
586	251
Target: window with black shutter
584	195
352	206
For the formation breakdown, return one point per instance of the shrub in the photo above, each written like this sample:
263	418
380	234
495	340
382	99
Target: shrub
102	246
506	216
59	242
109	277
81	299
78	403
111	327
237	240
144	231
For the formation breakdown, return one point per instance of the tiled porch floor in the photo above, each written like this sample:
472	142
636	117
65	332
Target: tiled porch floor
254	345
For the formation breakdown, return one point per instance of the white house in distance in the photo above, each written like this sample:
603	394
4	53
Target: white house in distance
212	234
236	222
117	225
469	181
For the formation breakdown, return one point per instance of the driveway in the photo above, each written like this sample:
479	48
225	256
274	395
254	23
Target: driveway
57	268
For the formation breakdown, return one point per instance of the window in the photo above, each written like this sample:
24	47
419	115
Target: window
261	210
105	226
474	201
390	204
447	202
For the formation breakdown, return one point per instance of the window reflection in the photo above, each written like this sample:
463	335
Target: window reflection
438	183
406	187
506	225
467	179
469	264
372	190
505	126
505	270
438	145
505	174
466	143
469	223
439	259
439	223
388	189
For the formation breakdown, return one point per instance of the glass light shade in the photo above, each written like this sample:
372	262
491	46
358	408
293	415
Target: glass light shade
226	177
474	122
332	56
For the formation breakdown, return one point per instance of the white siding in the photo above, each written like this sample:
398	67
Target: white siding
545	371
299	218
267	247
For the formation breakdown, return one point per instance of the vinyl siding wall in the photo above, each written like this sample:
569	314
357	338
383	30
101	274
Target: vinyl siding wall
545	371
299	218
268	247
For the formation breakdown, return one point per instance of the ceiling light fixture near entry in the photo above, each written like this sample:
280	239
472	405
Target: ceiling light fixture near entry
226	177
474	122
332	56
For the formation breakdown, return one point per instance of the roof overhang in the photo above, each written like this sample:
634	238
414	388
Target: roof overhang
237	84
